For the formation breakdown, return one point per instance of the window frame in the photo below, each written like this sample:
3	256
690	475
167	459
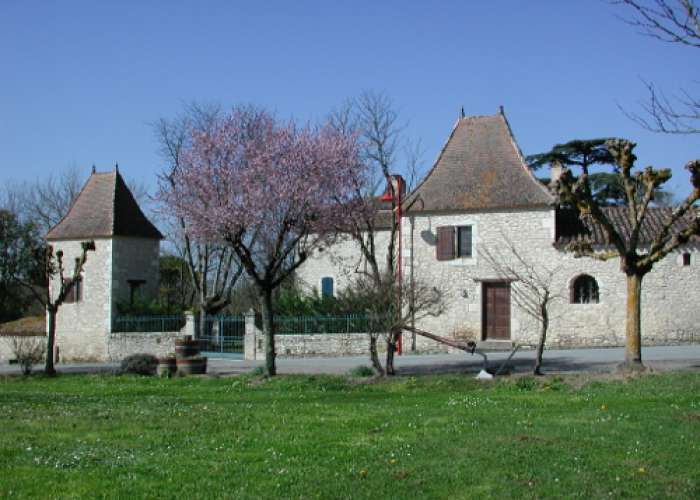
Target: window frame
685	259
458	248
593	291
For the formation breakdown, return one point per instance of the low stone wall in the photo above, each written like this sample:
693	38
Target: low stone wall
121	345
6	352
555	340
321	344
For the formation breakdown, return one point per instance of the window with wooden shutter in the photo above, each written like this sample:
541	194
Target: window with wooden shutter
445	248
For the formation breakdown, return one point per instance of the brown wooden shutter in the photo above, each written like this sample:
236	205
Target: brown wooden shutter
445	248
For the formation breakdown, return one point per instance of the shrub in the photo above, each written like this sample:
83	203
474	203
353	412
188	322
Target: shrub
292	301
141	307
28	351
139	364
362	371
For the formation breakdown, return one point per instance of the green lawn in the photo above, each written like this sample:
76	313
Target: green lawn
331	437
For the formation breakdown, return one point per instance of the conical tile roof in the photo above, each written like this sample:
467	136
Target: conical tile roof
480	167
104	208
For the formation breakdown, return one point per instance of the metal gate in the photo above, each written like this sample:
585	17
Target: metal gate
222	337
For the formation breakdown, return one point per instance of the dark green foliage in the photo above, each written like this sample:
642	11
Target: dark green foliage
21	257
139	364
175	282
606	187
583	153
148	308
608	190
293	302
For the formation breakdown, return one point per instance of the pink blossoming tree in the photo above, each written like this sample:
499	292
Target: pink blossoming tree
271	191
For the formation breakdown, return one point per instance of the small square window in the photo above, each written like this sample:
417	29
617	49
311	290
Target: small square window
464	241
686	259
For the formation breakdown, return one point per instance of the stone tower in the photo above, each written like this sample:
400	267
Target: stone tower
123	267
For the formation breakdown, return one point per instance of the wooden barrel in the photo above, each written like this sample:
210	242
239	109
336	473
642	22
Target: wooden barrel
186	347
196	365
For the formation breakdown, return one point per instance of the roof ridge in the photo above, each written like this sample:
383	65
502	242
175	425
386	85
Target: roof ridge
117	175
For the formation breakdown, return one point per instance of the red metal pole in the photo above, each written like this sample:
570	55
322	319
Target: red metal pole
399	342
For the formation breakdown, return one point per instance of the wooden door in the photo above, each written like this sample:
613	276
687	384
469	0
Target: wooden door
496	311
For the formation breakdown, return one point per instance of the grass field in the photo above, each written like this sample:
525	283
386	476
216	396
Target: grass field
333	437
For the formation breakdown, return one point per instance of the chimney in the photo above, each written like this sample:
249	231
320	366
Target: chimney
399	186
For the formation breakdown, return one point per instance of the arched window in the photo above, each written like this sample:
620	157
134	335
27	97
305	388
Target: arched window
584	290
327	287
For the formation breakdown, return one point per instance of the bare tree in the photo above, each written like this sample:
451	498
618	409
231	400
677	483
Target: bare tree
389	316
373	117
676	22
214	270
626	242
534	287
57	285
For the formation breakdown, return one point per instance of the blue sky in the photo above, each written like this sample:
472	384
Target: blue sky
81	81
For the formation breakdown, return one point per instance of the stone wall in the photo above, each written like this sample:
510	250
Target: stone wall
322	344
6	351
121	345
82	327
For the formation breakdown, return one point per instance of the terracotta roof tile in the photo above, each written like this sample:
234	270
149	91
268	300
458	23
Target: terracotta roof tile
571	229
105	207
480	167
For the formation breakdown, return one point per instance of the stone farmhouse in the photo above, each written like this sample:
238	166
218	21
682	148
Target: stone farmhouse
479	195
480	199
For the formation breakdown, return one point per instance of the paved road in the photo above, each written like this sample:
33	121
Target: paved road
555	361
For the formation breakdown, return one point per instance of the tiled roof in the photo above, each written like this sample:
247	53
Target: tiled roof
571	229
480	167
105	207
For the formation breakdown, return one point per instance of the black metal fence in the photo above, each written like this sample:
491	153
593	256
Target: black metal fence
151	324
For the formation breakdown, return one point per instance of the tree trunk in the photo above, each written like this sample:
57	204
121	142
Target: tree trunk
374	356
544	318
201	321
633	324
390	351
49	368
268	331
